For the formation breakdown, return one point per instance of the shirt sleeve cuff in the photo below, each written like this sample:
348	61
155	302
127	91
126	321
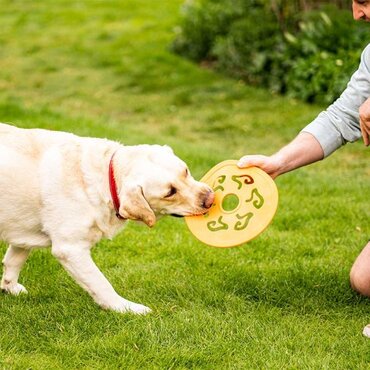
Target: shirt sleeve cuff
328	137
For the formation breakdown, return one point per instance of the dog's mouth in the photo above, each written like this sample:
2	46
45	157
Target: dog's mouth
176	215
189	214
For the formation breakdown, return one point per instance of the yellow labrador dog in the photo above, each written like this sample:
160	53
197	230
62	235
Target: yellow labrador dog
67	191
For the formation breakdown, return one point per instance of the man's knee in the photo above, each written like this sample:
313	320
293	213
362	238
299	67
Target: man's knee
360	283
360	272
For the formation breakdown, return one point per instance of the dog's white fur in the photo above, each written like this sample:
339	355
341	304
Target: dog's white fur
54	191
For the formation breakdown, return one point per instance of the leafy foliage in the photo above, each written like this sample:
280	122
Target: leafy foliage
310	56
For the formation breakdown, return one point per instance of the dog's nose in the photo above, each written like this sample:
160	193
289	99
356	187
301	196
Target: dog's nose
208	199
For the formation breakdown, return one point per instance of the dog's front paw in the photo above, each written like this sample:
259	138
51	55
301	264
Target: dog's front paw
138	309
126	306
14	289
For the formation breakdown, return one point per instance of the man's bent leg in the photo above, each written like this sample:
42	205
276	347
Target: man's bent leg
360	272
360	277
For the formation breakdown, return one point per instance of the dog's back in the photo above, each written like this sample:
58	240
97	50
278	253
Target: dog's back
31	143
21	151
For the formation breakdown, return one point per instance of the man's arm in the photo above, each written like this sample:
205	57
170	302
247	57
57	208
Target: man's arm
303	150
346	120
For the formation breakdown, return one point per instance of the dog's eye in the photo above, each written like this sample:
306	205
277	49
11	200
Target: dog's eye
172	192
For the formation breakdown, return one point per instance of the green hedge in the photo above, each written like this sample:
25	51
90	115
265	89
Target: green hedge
311	58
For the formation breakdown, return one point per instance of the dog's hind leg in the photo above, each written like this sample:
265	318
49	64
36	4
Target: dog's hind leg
13	261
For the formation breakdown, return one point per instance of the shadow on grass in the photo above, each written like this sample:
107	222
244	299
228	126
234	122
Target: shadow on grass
303	291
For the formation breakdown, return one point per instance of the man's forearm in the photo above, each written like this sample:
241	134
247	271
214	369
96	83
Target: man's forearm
303	150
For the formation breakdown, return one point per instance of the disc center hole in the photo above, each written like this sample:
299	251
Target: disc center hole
230	202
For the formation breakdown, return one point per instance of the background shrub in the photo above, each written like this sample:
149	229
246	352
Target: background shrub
309	55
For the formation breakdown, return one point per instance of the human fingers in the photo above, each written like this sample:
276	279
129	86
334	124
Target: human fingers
253	160
364	113
261	161
365	131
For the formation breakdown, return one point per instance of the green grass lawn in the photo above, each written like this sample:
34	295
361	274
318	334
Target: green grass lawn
282	301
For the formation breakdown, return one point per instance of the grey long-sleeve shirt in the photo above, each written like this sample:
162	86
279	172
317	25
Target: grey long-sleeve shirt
340	124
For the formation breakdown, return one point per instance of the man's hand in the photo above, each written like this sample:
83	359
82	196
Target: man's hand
364	113
303	150
268	164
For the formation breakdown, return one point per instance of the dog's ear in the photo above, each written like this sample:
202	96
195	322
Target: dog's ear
134	206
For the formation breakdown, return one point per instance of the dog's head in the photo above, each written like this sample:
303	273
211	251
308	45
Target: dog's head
153	181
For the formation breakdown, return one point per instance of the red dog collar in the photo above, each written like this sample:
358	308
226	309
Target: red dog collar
113	188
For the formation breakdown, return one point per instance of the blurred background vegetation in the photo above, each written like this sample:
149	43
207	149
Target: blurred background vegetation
305	49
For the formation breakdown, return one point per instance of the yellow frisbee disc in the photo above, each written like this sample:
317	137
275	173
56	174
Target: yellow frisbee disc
245	203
